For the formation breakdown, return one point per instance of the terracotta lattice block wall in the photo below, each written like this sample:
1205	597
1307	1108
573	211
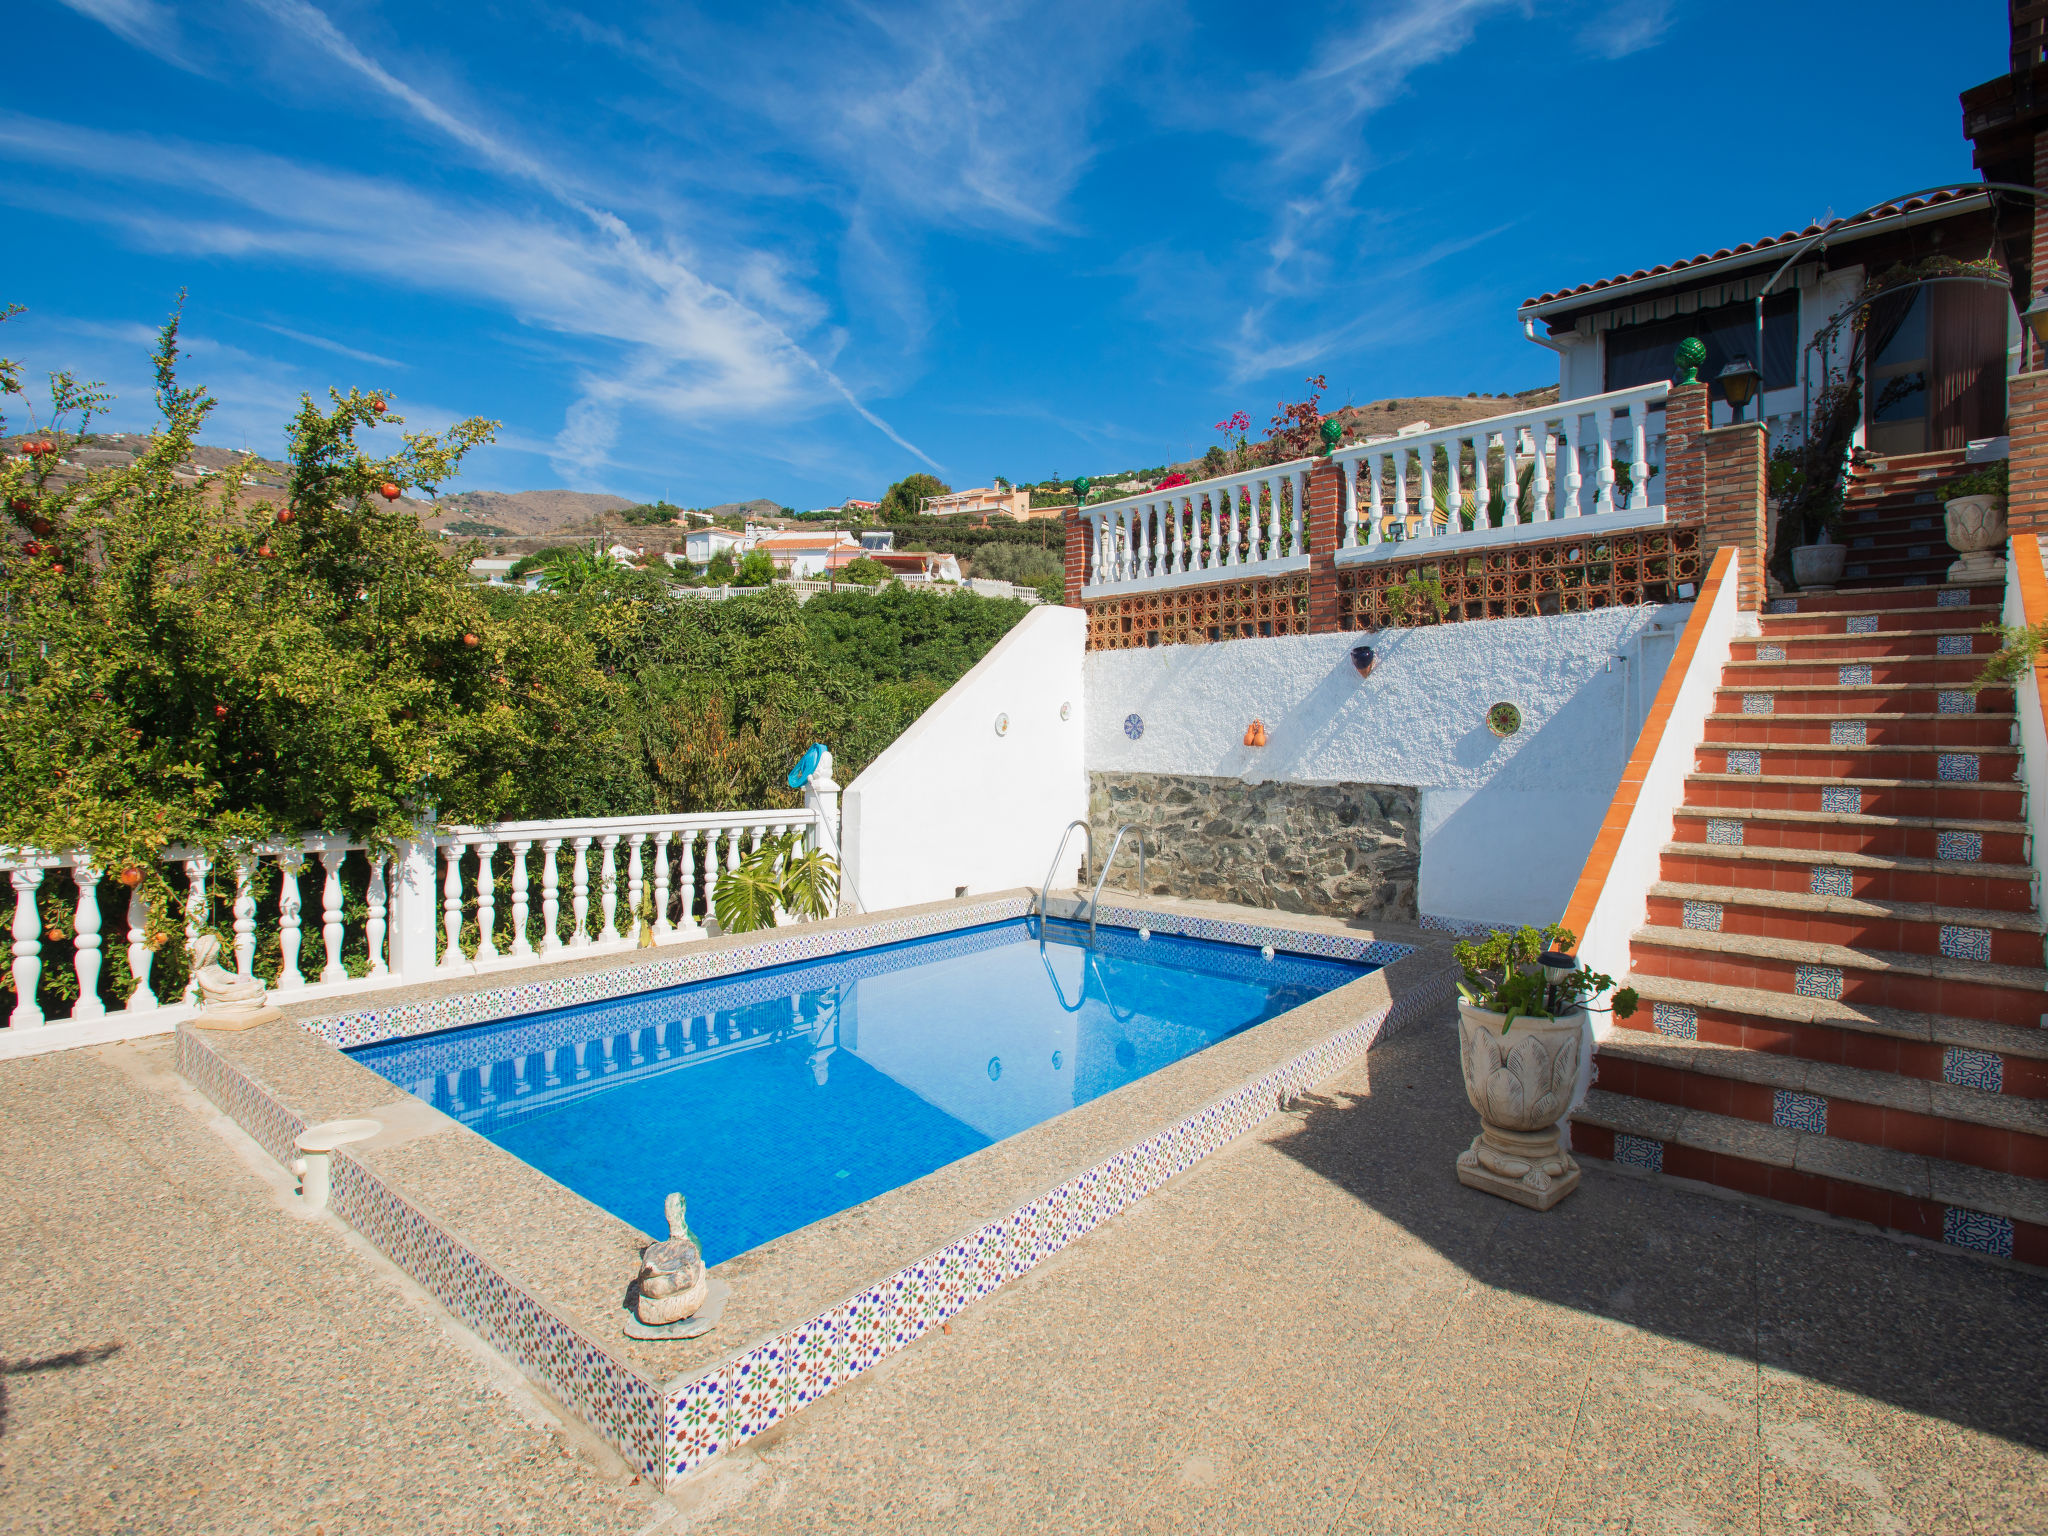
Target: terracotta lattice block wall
1649	565
1230	610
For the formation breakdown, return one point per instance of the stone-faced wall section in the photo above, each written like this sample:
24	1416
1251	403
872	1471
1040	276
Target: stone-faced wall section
1340	850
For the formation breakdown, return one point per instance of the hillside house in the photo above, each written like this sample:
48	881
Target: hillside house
701	544
803	555
983	501
1937	355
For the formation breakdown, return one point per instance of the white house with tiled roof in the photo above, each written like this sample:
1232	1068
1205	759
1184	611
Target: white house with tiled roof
809	553
1936	377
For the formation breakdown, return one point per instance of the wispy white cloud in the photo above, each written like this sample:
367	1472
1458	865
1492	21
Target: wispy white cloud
148	24
325	345
1626	27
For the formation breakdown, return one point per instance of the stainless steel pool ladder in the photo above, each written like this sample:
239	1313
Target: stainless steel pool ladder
1087	865
1096	895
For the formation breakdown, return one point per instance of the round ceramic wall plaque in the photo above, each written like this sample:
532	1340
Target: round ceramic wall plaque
1134	726
1504	719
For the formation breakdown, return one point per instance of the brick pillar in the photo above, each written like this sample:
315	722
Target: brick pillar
1685	419
1076	551
2026	406
1735	461
1325	527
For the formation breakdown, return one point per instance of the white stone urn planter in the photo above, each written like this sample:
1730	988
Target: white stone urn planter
1818	567
1522	1084
1976	531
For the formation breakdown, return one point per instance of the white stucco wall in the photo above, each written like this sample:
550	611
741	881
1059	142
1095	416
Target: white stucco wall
1506	823
952	803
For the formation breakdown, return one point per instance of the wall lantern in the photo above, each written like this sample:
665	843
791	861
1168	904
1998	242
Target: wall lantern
2036	316
1362	657
1739	381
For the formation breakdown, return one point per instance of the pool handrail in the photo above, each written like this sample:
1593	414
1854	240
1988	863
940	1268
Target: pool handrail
1095	896
1088	834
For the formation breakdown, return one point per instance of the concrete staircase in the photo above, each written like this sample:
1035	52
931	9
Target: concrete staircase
1891	520
1842	968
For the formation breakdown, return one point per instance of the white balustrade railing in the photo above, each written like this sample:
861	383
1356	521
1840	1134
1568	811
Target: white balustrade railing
453	902
1509	477
1249	524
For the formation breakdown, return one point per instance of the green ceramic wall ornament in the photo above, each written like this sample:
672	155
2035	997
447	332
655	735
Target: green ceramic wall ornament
1081	492
1691	353
1333	434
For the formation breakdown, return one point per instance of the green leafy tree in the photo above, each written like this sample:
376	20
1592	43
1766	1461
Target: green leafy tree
865	572
187	667
757	569
902	500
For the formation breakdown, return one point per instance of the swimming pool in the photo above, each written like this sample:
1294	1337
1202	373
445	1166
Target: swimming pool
778	1097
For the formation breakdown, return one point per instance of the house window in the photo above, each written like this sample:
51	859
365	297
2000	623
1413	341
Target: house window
1642	354
1896	384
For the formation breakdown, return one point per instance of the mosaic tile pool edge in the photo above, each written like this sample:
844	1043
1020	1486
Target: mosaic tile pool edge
673	1432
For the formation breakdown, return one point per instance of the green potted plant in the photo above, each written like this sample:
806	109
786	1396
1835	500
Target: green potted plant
1973	515
1524	1032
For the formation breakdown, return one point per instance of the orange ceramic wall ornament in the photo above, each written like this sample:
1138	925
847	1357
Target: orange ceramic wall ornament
1255	734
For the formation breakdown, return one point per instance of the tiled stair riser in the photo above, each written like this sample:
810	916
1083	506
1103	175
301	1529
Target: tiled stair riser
1829	703
1884	601
1958	1141
1779	628
1892	934
1978	802
1962	885
1963	732
1855	1202
1761	758
2018	1006
1955	668
1855	837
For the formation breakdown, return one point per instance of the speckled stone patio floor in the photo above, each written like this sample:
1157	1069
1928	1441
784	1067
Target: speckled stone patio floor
1317	1329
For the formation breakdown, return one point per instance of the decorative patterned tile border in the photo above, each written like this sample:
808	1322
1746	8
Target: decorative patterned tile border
1702	916
1829	880
1855	674
1955	701
1797	1111
1638	1152
1680	1021
1862	624
1725	832
1956	767
1960	943
1757	704
1839	801
1965	847
1957	599
671	1431
1951	645
1770	653
1973	1069
1848	733
1745	762
1974	1229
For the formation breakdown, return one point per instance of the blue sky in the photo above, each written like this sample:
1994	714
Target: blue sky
794	251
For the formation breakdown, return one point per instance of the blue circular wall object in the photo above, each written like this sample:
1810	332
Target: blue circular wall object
1134	726
995	1068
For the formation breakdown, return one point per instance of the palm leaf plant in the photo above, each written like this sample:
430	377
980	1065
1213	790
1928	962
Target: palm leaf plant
780	878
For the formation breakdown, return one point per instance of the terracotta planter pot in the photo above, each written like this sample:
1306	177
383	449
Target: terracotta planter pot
1818	567
1521	1083
1976	530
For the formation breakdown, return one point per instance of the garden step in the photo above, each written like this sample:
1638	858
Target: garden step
1864	669
1862	646
1905	1040
1901	760
1870	877
1839	700
1916	837
1943	983
1930	561
1930	1197
1954	729
1797	628
1871	599
1880	797
1885	1109
1905	926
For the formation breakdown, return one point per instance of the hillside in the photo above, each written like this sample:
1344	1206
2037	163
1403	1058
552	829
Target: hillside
525	514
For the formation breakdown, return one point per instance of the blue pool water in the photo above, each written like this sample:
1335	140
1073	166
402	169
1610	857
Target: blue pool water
777	1097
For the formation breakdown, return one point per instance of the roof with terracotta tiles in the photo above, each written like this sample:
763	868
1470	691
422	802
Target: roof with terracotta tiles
1887	211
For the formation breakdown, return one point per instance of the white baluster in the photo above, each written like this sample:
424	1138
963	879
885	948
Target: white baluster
289	912
1347	512
1569	481
1603	462
452	958
1539	485
1375	533
332	856
692	924
1169	513
28	949
245	915
1454	485
85	955
550	896
732	848
1482	489
1265	517
196	914
663	927
1401	489
521	944
1639	456
608	887
579	894
1100	522
486	903
636	884
374	924
141	958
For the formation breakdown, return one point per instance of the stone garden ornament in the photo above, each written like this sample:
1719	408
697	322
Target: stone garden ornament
1973	518
675	1296
227	1000
1524	1044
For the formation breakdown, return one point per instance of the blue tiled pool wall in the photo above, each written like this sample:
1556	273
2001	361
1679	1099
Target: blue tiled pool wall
457	1010
675	1432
